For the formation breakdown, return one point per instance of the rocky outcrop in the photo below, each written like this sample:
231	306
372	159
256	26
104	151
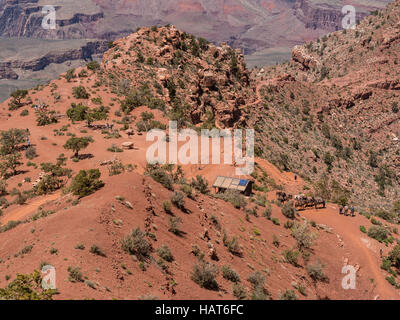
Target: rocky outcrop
7	73
206	83
300	55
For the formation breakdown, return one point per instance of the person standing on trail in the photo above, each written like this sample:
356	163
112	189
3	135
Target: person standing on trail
346	210
295	177
341	210
381	252
352	211
28	143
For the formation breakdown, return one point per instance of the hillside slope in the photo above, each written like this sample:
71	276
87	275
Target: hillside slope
144	80
333	111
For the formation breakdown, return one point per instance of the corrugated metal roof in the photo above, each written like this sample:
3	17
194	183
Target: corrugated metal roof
231	183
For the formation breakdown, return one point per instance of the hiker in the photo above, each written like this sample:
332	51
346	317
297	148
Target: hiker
346	210
381	252
341	210
295	177
111	126
352	211
28	143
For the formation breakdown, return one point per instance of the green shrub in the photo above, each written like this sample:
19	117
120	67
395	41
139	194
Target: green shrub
288	295
161	176
394	256
316	271
93	65
267	212
302	234
86	182
75	274
229	274
30	153
136	244
165	253
174	225
232	245
204	274
288	210
80	93
178	200
239	291
291	257
378	233
24	113
26	287
95	249
167	206
234	197
200	184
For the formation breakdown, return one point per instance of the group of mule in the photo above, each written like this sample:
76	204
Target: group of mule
301	201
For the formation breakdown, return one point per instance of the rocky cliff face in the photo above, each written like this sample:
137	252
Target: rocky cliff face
246	24
8	68
325	17
336	111
24	19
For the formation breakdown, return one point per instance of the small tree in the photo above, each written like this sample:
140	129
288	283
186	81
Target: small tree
86	182
76	144
77	112
70	75
288	210
394	256
11	139
26	287
12	161
93	65
200	184
80	92
97	114
17	96
54	178
45	117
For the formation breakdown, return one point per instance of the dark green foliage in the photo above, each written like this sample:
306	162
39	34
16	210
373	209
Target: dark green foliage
17	96
200	184
80	92
26	287
86	182
76	144
93	65
378	233
288	210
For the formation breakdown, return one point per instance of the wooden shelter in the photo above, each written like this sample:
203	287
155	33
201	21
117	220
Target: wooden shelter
244	186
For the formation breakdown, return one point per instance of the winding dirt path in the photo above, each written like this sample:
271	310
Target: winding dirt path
368	255
23	211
